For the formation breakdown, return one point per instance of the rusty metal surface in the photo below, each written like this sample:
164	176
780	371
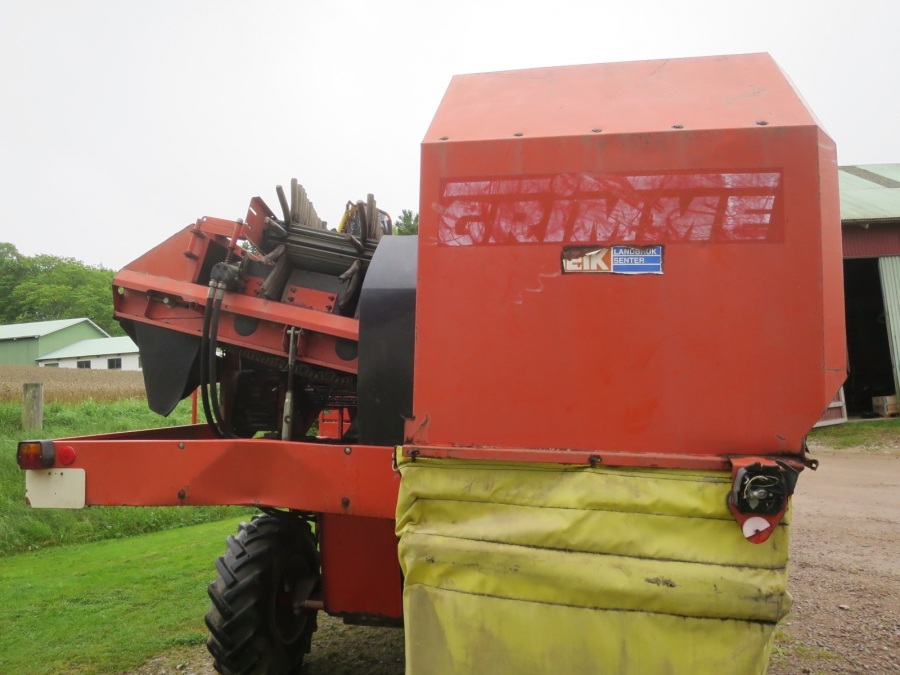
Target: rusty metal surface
736	348
660	460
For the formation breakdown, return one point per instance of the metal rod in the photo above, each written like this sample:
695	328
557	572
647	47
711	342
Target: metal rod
288	420
372	218
313	605
285	209
295	201
363	223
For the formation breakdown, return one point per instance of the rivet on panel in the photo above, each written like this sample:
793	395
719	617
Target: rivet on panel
518	133
444	138
345	502
347	451
678	126
596	131
761	123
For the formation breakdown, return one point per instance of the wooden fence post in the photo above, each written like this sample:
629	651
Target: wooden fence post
33	406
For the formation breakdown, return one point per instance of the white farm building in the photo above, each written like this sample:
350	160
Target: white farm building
110	353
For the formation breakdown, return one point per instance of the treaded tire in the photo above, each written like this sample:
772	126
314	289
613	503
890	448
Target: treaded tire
252	631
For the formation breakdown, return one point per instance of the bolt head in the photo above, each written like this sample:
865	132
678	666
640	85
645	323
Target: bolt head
347	451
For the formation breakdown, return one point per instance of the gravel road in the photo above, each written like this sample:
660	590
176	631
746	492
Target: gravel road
845	568
844	576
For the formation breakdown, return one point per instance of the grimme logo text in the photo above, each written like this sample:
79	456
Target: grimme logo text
597	208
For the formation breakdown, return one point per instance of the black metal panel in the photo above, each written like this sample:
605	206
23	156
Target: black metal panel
387	340
169	361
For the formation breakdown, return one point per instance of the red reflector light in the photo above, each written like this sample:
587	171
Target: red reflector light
34	455
67	454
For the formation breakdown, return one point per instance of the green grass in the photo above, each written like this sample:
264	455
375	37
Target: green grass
23	528
106	607
874	434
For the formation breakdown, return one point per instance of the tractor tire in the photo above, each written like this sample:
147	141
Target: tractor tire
253	627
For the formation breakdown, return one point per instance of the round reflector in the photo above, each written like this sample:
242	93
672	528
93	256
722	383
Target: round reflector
66	454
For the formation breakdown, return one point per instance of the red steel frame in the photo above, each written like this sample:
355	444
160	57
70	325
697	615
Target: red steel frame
161	288
353	488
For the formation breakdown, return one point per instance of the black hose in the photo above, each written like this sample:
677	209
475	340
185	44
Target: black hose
204	368
213	392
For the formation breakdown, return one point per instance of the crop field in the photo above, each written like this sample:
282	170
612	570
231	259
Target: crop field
71	385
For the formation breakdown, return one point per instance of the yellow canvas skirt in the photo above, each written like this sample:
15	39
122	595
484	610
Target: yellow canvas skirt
545	568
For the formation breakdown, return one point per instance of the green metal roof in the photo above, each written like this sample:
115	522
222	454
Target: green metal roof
36	329
870	192
98	347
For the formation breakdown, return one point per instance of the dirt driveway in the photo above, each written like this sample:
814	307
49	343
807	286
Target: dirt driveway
845	568
845	579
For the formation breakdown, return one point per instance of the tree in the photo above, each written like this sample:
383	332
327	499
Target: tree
407	223
12	273
47	287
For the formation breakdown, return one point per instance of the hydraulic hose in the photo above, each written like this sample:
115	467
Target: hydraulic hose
211	370
204	365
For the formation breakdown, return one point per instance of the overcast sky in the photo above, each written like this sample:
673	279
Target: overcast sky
122	122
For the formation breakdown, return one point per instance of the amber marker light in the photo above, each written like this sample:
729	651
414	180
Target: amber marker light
35	455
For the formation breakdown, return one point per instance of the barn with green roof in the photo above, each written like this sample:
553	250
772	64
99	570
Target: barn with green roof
23	343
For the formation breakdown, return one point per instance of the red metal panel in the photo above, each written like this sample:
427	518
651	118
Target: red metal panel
878	239
246	305
182	470
831	332
734	350
360	569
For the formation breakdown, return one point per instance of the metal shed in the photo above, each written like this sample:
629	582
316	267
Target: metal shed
870	216
110	353
23	343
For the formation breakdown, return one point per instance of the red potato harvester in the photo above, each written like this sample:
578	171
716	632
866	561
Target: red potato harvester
627	282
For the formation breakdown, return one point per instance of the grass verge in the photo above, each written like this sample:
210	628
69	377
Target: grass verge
106	607
868	434
23	528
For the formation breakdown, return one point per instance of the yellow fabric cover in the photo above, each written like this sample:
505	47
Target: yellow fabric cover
537	568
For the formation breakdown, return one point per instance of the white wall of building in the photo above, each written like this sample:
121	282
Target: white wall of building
129	361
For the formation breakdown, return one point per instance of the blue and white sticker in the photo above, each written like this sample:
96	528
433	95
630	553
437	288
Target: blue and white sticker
615	259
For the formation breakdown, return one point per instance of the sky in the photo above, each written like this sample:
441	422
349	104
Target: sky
123	122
